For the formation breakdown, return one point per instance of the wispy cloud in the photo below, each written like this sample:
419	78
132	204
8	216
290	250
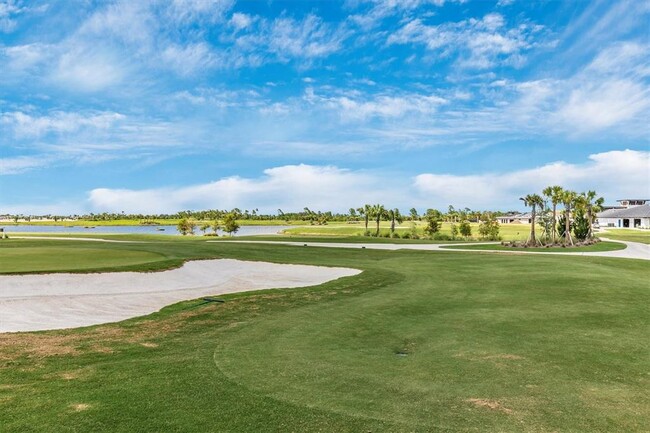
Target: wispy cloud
21	164
27	126
479	43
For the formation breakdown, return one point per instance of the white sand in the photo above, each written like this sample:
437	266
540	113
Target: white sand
57	301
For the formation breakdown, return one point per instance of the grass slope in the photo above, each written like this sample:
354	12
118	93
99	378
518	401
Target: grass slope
418	342
629	235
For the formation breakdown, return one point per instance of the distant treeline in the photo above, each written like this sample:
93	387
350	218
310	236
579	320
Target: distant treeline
307	215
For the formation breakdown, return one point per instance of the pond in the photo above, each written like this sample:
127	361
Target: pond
141	230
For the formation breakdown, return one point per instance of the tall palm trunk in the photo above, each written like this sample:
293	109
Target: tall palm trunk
590	232
366	220
533	238
392	224
378	219
554	226
567	226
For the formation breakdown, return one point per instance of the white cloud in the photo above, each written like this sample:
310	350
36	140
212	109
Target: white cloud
241	21
612	174
24	125
600	105
21	164
479	44
352	105
318	187
307	38
23	57
9	9
90	70
198	10
190	58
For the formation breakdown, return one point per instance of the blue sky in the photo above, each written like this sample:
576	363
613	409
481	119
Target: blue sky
168	105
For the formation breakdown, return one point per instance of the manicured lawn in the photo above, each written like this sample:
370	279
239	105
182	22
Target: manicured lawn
420	341
507	231
601	246
52	258
629	235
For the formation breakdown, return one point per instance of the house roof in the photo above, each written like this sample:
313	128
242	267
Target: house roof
517	216
642	211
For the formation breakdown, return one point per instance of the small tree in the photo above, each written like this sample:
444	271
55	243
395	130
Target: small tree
186	226
204	227
581	225
454	231
230	224
432	217
489	228
465	229
216	226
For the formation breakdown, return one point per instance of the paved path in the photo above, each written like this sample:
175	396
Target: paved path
634	250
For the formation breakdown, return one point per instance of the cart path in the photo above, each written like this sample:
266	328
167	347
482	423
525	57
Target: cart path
634	250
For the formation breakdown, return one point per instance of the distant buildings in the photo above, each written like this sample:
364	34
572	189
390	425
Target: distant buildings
631	213
520	218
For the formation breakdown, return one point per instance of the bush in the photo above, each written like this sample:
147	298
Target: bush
441	237
580	226
454	231
561	226
465	229
489	229
406	235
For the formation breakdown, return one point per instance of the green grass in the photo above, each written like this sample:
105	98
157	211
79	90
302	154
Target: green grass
509	232
420	341
53	258
600	246
629	235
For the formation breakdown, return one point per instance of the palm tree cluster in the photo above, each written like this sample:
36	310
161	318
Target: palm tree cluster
578	207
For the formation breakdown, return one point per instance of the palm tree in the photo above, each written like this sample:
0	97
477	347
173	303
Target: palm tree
414	214
394	215
568	198
554	193
532	200
365	212
378	212
592	205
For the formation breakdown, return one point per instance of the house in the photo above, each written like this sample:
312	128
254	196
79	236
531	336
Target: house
631	213
522	218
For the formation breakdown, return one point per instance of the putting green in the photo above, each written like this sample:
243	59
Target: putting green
51	258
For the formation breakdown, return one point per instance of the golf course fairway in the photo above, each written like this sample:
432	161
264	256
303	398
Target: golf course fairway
419	341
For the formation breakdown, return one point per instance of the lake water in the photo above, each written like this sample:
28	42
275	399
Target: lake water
141	230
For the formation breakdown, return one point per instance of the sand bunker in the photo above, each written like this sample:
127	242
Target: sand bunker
57	301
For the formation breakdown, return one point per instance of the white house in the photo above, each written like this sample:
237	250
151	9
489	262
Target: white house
522	218
632	213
